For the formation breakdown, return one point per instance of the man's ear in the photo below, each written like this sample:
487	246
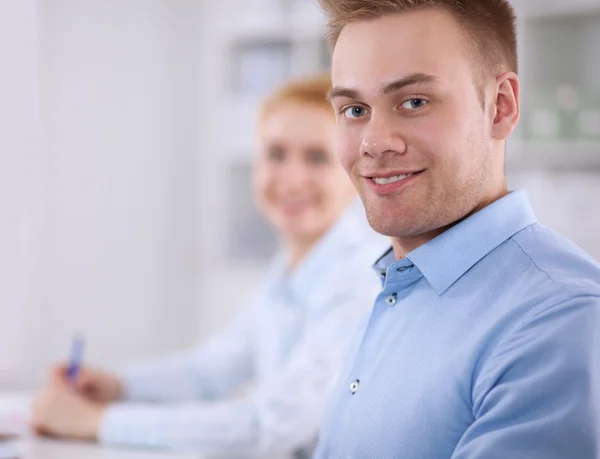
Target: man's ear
507	105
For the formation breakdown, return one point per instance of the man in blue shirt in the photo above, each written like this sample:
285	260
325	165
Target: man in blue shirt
484	341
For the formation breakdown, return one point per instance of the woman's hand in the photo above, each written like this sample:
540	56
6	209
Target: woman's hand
60	411
92	384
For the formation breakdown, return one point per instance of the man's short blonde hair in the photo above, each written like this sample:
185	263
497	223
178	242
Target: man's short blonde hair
311	90
490	25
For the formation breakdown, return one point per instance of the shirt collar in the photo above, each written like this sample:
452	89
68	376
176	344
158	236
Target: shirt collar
384	262
446	258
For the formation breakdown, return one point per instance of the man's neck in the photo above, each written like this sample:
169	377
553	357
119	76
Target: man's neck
405	244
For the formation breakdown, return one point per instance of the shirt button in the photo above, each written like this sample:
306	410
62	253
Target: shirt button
391	300
354	386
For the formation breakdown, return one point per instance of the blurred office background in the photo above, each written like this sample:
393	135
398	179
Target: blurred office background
126	135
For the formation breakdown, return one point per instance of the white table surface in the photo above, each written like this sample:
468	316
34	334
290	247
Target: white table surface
30	447
14	412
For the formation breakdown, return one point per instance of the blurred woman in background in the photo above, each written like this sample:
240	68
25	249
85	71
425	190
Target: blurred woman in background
291	335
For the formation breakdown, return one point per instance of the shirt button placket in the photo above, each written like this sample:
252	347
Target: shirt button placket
390	300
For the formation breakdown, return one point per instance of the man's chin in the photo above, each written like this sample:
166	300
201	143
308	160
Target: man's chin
382	227
392	227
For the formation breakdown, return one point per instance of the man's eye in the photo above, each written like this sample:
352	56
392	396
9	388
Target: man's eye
356	111
413	104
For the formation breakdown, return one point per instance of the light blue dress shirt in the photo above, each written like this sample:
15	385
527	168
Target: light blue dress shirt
289	341
483	344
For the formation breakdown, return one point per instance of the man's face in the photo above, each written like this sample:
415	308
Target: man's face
412	132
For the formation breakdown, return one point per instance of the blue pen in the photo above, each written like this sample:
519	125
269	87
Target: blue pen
75	359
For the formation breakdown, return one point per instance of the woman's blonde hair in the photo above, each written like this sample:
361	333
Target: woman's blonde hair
311	89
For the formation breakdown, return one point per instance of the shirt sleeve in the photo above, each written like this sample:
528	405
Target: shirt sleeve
536	397
210	371
283	413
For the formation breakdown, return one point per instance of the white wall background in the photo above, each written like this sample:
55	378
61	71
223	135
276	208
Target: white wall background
556	39
121	110
21	194
112	180
100	219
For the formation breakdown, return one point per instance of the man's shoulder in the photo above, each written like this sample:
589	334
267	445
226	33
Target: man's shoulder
563	263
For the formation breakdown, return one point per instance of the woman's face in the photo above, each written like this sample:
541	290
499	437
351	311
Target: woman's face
299	184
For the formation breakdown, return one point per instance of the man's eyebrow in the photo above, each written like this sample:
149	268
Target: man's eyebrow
409	80
394	86
339	91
